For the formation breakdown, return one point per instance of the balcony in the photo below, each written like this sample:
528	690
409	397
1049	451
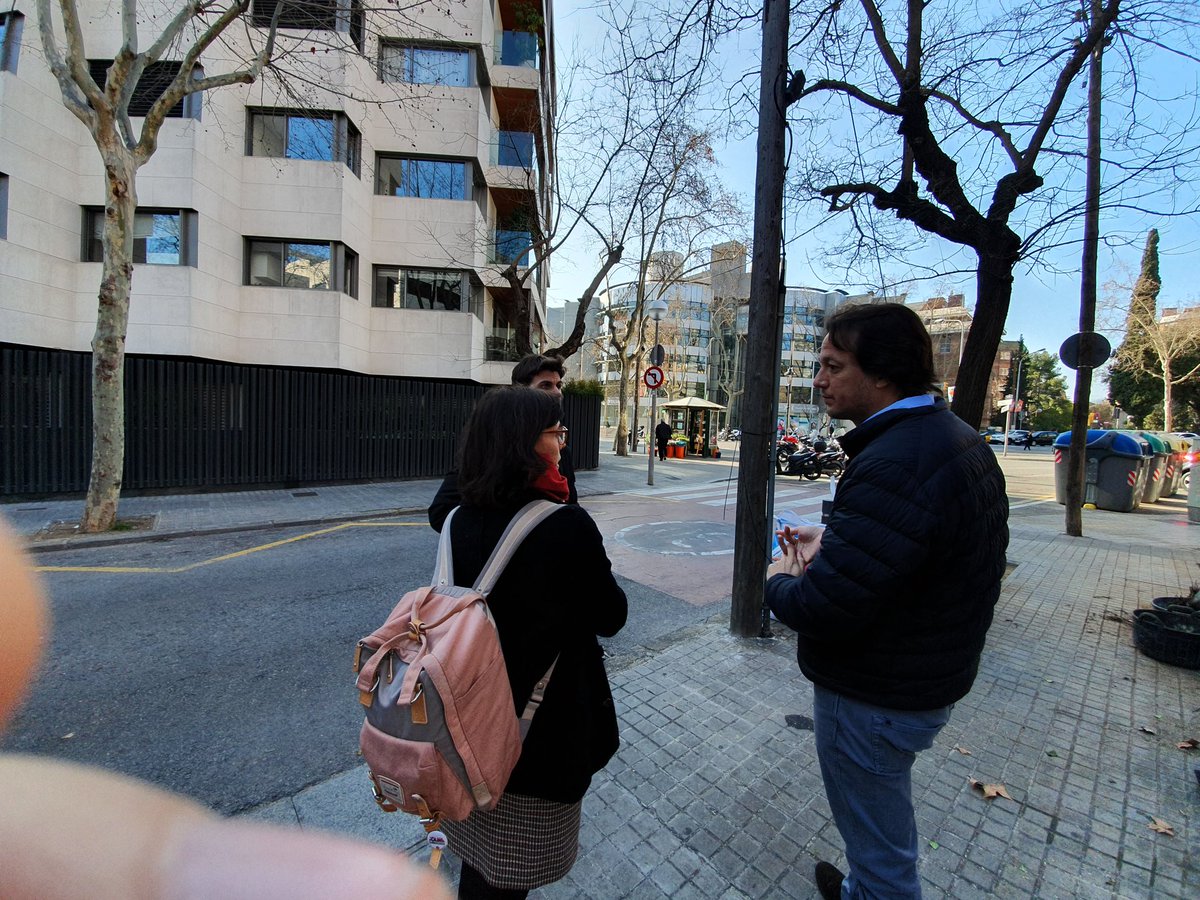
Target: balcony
516	48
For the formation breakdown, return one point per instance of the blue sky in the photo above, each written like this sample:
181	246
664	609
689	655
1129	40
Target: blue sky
1045	304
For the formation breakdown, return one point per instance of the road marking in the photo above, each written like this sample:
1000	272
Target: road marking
1023	504
225	557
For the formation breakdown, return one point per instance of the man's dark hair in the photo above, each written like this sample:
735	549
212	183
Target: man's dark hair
529	366
889	341
498	460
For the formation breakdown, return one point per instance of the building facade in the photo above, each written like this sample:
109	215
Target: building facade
949	322
703	334
349	215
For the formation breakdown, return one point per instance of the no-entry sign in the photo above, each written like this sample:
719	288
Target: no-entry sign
653	377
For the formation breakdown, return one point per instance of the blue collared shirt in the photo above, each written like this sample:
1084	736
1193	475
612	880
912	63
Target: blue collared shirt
914	402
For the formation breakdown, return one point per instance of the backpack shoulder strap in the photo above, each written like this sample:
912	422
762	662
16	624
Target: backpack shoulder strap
443	573
522	523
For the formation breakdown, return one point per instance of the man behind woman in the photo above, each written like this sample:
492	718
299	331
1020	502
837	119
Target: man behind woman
553	600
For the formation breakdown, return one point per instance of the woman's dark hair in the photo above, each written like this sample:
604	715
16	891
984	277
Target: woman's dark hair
889	341
498	460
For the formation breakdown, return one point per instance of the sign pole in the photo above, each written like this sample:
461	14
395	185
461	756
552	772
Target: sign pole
654	379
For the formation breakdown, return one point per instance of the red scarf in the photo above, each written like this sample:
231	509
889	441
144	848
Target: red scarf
551	482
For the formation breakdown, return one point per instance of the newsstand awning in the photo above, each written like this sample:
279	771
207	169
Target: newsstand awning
690	403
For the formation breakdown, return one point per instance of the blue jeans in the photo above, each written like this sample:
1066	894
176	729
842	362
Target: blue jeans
866	755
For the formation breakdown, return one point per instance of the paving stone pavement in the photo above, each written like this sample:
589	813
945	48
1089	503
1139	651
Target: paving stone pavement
713	795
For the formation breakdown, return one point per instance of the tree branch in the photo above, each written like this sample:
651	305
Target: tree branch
853	90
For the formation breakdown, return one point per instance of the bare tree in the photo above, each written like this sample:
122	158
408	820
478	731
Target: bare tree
1163	349
674	204
199	48
104	110
965	127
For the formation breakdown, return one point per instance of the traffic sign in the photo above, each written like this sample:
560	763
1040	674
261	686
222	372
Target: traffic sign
657	355
653	377
1085	350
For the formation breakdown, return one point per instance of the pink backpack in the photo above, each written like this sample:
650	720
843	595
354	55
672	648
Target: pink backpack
441	737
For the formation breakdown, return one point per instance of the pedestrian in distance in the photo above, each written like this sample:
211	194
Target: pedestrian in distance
662	434
892	600
1028	442
542	373
556	595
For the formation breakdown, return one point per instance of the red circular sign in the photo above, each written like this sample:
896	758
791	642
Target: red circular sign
653	377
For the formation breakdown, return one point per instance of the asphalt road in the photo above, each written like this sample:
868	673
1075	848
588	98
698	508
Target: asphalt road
231	680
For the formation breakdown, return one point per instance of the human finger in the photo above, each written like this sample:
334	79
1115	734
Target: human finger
23	624
68	831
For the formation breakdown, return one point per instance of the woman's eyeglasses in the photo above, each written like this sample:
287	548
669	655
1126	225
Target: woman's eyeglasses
560	433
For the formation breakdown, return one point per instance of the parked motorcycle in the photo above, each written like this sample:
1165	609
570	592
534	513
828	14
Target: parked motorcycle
816	459
788	444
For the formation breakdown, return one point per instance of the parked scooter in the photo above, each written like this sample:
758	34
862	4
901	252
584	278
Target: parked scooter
788	444
816	459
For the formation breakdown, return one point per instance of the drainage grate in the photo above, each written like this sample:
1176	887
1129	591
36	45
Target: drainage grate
304	493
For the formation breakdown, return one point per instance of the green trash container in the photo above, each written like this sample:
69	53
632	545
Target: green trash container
1178	448
1117	464
1156	478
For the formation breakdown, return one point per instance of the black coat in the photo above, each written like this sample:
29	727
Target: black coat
894	609
555	596
448	497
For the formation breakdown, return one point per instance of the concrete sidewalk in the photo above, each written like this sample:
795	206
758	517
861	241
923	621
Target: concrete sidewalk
715	795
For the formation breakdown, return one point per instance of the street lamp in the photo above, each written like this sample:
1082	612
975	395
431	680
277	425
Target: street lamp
1014	416
655	309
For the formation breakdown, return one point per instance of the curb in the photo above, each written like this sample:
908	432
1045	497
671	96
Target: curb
110	540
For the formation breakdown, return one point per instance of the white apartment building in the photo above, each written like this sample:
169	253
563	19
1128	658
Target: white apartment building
354	218
703	335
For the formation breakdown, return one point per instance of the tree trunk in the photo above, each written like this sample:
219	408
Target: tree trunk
108	348
622	411
993	285
1166	367
753	529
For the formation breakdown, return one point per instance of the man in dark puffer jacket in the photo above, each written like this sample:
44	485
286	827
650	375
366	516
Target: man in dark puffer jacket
892	601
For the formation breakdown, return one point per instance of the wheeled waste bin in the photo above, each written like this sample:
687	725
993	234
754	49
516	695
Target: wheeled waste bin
1115	471
1160	461
1178	448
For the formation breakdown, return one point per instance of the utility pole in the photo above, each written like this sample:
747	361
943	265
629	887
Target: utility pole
753	530
1077	453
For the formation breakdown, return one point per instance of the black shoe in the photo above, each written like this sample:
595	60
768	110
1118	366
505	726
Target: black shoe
829	881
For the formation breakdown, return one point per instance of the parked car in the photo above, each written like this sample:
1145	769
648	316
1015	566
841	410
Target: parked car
1017	436
1044	438
992	436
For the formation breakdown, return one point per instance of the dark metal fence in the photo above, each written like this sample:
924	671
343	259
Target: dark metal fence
198	424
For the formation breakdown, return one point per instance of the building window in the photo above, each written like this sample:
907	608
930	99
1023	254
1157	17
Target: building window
438	179
161	237
436	289
944	344
156	78
312	15
308	265
3	207
304	135
447	66
10	39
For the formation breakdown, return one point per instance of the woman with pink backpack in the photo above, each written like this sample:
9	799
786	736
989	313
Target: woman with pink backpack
555	597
